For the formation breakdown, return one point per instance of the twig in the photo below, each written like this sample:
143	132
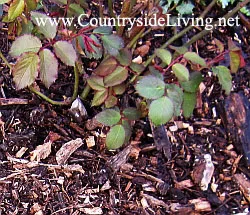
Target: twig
13	101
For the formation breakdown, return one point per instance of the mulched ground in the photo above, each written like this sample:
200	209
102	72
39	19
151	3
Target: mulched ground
136	179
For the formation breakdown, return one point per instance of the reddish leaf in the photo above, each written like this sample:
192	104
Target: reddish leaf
106	67
219	44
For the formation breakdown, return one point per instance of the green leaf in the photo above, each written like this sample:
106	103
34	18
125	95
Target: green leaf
75	10
127	128
108	117
103	30
31	4
189	102
48	67
59	2
119	89
25	70
65	51
118	76
161	110
16	8
99	97
194	83
112	44
124	57
195	58
115	137
153	71
4	1
224	77
131	113
150	87
96	82
27	27
164	55
138	68
111	101
47	28
179	49
106	67
181	72
185	8
175	93
25	43
234	61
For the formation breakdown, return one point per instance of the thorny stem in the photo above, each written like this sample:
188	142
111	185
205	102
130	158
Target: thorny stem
181	33
227	16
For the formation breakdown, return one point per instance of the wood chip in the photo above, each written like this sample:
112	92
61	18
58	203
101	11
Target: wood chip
244	185
41	152
95	210
154	201
13	101
90	141
67	149
184	184
21	152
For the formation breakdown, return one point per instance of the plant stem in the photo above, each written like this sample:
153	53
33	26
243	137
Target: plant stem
181	33
85	92
75	93
227	16
46	98
134	40
5	60
110	7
